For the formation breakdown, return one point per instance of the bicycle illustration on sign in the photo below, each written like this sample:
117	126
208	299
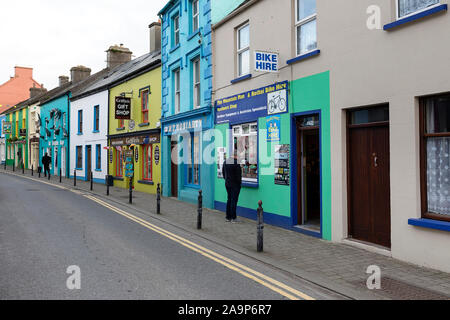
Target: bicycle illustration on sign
276	102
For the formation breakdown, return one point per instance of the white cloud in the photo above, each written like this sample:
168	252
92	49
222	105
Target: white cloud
54	35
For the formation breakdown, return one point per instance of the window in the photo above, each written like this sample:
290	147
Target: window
435	157
144	105
96	118
193	160
195	15
176	79
98	157
80	121
64	121
243	50
245	143
305	25
196	83
119	163
121	123
176	31
408	7
147	162
79	157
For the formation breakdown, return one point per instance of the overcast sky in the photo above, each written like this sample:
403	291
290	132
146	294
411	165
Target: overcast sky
51	36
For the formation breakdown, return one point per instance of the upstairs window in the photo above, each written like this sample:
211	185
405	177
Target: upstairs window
96	118
144	105
80	121
243	50
195	15
196	83
306	26
408	7
176	86
176	31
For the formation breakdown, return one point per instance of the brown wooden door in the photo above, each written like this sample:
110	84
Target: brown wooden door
174	171
369	184
88	163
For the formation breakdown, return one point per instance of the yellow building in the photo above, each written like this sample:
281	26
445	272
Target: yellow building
136	95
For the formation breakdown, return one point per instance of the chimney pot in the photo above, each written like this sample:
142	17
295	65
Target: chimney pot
155	36
63	80
79	73
117	55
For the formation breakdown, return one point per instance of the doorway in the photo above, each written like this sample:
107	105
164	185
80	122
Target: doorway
174	169
56	162
88	163
368	161
308	172
63	161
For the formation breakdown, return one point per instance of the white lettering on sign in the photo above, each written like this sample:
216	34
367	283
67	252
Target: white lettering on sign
266	61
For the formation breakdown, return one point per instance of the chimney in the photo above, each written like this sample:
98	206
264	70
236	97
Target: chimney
155	36
34	92
63	80
117	55
79	73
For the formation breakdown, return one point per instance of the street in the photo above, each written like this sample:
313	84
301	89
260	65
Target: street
45	229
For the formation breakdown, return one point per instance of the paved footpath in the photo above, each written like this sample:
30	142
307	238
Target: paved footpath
337	267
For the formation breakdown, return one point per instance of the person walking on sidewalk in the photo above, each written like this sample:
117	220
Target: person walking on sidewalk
46	160
232	173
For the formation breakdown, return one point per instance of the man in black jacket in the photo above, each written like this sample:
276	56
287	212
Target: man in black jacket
232	173
46	160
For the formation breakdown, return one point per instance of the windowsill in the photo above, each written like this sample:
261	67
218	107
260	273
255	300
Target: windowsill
174	48
253	185
120	129
192	186
417	16
148	182
192	35
118	178
247	76
430	224
304	57
79	169
96	131
78	134
98	170
145	124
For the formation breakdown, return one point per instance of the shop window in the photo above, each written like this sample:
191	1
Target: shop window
98	157
119	163
196	83
147	167
193	160
409	7
435	157
243	50
79	154
306	27
144	105
195	15
245	143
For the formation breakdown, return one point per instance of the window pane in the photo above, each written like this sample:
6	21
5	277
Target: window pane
244	37
244	63
305	8
438	115
149	162
307	37
406	7
370	115
245	142
438	175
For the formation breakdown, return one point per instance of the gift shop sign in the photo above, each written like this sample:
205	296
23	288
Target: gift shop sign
123	108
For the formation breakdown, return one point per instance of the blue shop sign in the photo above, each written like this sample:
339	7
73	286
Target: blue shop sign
184	126
251	105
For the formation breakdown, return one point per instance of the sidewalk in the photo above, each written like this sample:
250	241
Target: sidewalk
338	267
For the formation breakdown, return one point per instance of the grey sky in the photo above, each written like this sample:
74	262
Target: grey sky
54	35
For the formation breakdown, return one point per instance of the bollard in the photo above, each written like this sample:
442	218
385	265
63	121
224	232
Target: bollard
32	170
14	167
158	199
74	178
107	185
49	175
92	181
200	210
5	164
130	201
39	172
60	176
260	228
23	168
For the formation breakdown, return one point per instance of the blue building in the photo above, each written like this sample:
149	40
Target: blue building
187	109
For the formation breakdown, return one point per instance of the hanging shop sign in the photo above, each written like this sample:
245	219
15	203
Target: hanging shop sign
111	156
273	128
123	108
282	170
184	126
129	165
6	128
138	140
156	157
22	132
266	61
136	155
251	105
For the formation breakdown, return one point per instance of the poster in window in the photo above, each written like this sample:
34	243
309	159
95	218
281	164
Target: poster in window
221	157
156	155
282	170
129	165
273	128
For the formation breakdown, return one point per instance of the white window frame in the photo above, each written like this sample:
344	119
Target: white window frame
195	16
240	51
240	133
176	30
196	86
397	10
298	24
176	91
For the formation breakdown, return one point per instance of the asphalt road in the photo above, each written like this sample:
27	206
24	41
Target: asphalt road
45	229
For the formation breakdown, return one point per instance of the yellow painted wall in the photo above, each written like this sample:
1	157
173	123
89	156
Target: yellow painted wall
150	79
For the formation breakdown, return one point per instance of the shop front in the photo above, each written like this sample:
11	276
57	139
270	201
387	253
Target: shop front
143	167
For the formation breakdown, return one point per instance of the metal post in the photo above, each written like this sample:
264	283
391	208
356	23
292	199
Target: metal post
48	174
131	192
39	171
5	163
74	178
60	175
32	170
158	199
200	210
107	185
260	228
92	181
23	168
14	166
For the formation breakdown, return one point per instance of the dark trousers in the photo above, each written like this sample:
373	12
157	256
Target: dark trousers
46	169
233	197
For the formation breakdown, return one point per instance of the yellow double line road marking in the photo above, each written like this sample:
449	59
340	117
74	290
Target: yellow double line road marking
260	278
